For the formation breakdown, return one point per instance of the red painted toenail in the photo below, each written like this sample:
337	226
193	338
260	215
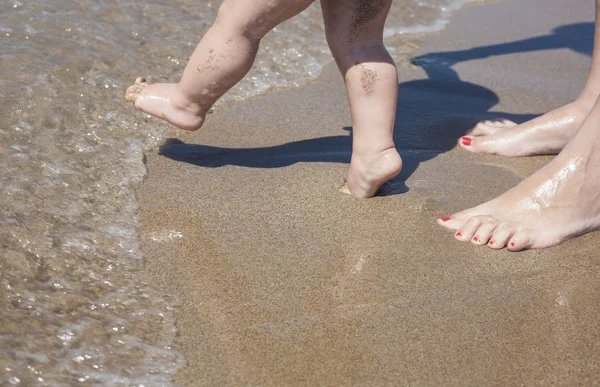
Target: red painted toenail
491	242
458	234
512	244
445	219
476	239
466	141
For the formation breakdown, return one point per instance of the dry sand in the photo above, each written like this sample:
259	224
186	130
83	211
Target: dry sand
282	280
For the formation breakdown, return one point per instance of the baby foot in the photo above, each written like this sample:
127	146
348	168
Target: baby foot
547	134
165	101
369	171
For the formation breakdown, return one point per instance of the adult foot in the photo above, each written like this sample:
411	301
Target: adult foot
369	171
559	202
165	101
547	134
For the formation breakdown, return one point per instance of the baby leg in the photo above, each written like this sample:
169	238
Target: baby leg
223	57
354	30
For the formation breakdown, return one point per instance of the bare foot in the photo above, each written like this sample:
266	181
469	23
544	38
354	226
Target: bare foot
547	134
559	202
165	101
368	172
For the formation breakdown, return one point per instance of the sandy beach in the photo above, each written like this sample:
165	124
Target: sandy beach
282	280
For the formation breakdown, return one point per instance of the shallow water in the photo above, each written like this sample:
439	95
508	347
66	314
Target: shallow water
73	303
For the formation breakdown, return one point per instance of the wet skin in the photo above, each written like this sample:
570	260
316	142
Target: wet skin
547	134
558	202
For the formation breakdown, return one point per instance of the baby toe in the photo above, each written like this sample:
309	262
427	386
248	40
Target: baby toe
131	93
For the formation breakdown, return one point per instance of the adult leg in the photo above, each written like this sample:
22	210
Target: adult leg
354	30
223	57
547	134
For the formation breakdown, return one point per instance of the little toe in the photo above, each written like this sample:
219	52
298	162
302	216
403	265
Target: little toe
521	240
484	233
501	236
468	230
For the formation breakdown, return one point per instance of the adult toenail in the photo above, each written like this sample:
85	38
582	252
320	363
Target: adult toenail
512	244
458	234
466	141
491	242
445	219
476	239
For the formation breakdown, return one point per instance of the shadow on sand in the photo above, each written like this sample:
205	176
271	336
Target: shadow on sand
432	114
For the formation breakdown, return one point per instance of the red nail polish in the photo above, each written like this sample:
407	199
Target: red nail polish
466	141
512	244
458	234
491	242
445	219
476	239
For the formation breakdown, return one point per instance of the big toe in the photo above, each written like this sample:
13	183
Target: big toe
455	221
493	143
132	93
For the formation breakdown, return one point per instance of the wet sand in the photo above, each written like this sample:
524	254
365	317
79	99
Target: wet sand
282	280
